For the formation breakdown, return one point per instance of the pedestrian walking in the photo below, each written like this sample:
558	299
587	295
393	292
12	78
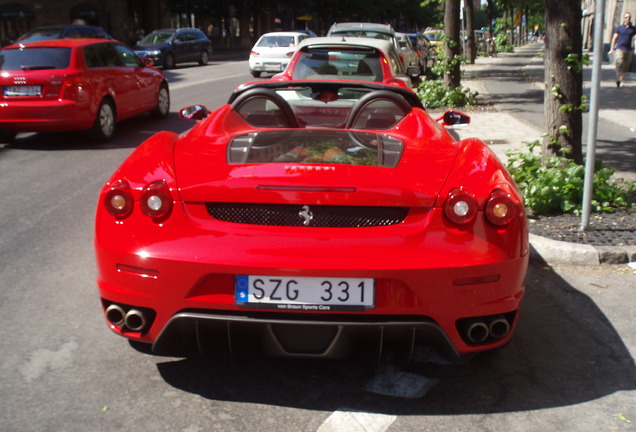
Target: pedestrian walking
622	44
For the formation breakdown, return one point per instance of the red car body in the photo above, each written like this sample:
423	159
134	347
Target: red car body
404	233
76	84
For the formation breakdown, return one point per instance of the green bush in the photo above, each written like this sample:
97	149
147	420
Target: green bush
558	187
502	45
434	95
432	92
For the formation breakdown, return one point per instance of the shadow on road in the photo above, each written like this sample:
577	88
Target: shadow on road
565	352
128	134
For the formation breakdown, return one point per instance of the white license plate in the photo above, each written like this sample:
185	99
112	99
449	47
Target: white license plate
305	293
273	66
34	90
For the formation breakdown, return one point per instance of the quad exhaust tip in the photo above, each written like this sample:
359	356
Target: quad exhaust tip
135	320
115	315
480	330
128	318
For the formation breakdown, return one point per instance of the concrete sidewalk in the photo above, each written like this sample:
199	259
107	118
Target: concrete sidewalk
504	130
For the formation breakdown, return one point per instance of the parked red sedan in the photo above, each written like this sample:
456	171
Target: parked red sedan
76	84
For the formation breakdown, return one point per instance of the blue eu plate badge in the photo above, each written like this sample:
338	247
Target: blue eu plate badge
241	288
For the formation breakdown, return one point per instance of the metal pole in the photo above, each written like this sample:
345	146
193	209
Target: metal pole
590	154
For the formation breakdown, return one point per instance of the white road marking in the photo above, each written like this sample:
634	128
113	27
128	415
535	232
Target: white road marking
352	421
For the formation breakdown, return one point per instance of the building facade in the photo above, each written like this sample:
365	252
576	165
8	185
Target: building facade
126	20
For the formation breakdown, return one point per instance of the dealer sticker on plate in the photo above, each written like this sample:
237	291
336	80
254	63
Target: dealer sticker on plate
305	293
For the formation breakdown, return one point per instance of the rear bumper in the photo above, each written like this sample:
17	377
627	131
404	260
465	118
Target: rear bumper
44	116
429	283
297	336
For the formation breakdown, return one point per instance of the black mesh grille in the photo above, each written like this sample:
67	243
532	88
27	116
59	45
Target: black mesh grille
313	216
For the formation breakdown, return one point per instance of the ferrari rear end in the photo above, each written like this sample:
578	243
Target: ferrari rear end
311	242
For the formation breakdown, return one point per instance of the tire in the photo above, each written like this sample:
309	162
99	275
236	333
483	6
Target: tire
256	74
168	61
162	109
104	127
204	59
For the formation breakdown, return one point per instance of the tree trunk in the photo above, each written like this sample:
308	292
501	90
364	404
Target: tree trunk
452	78
564	80
471	46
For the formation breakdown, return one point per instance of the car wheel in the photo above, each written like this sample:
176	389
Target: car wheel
163	103
168	61
256	74
203	60
104	126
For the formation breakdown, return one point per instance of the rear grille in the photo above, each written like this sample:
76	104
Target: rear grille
320	216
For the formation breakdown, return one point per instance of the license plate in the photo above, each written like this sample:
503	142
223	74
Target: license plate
273	66
305	293
34	90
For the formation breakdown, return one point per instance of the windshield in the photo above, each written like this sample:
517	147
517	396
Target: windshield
41	34
276	41
34	58
316	147
362	64
434	36
362	33
156	38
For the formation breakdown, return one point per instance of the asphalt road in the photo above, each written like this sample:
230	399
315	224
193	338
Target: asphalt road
570	366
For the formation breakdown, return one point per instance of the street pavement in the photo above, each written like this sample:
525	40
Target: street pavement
510	113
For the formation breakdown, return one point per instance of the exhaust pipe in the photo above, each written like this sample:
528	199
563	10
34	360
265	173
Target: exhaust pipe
477	331
115	315
499	327
135	320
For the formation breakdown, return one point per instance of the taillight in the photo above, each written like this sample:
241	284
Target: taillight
119	200
500	208
156	200
254	53
460	206
72	87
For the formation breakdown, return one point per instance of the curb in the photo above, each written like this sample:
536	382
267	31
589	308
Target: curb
560	252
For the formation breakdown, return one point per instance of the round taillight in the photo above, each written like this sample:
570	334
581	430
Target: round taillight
156	200
500	208
118	200
460	206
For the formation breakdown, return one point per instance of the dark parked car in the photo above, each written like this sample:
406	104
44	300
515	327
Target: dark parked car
167	47
63	32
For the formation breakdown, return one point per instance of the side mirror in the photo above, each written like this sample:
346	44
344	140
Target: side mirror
148	61
454	118
193	112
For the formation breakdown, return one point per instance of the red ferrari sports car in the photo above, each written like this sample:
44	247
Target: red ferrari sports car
312	218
